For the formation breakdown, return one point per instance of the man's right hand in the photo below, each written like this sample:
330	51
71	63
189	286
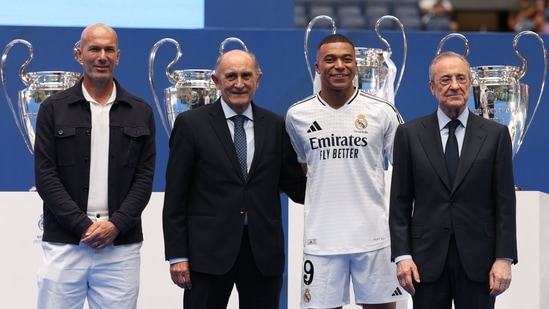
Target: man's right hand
407	273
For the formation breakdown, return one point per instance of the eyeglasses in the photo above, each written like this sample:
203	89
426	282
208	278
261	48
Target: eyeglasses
447	80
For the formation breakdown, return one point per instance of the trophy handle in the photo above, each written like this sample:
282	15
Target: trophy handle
23	78
389	49
523	71
169	74
451	35
75	51
231	39
306	43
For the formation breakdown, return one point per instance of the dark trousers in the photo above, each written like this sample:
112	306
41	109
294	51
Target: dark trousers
453	285
255	290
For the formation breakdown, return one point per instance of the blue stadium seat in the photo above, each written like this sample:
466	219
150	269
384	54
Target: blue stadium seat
350	16
409	15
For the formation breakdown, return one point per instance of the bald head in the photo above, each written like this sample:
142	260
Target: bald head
98	30
237	53
99	55
237	77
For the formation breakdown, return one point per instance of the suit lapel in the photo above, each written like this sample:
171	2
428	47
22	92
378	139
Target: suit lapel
259	136
472	142
432	145
219	125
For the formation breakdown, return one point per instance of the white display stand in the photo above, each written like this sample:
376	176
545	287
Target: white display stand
20	237
527	290
529	286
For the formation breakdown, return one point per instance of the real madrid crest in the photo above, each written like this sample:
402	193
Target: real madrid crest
361	123
307	295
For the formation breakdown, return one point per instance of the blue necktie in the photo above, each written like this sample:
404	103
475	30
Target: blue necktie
452	152
240	143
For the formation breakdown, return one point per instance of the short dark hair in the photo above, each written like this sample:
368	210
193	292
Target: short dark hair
335	38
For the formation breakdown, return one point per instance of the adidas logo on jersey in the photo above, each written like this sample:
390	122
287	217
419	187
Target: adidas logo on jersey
314	127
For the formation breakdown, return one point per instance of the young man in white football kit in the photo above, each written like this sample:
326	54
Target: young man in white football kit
343	137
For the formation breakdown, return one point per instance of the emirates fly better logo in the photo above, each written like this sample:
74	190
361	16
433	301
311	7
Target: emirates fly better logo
335	146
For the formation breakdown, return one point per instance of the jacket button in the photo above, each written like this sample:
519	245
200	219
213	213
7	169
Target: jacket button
242	211
60	132
446	230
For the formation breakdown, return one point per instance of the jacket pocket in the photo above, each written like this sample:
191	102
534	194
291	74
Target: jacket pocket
65	139
135	137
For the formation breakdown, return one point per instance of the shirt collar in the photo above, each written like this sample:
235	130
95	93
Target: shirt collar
89	98
443	119
323	102
230	113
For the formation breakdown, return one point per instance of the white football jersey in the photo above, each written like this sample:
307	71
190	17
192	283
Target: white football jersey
346	151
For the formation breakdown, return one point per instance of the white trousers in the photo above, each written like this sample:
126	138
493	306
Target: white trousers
108	278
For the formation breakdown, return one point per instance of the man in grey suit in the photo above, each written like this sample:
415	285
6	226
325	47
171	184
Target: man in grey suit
453	238
222	220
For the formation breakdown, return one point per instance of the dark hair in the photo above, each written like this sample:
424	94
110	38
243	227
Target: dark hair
335	38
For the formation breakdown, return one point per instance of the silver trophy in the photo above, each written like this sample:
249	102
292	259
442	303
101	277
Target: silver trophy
315	80
376	71
498	94
454	35
40	85
190	88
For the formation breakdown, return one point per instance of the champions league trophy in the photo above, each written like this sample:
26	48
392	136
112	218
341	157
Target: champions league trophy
314	78
190	88
498	94
40	85
454	35
376	71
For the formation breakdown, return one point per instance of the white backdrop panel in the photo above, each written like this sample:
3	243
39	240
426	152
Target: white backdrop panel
20	236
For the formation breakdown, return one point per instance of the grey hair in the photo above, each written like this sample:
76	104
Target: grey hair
443	55
254	59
